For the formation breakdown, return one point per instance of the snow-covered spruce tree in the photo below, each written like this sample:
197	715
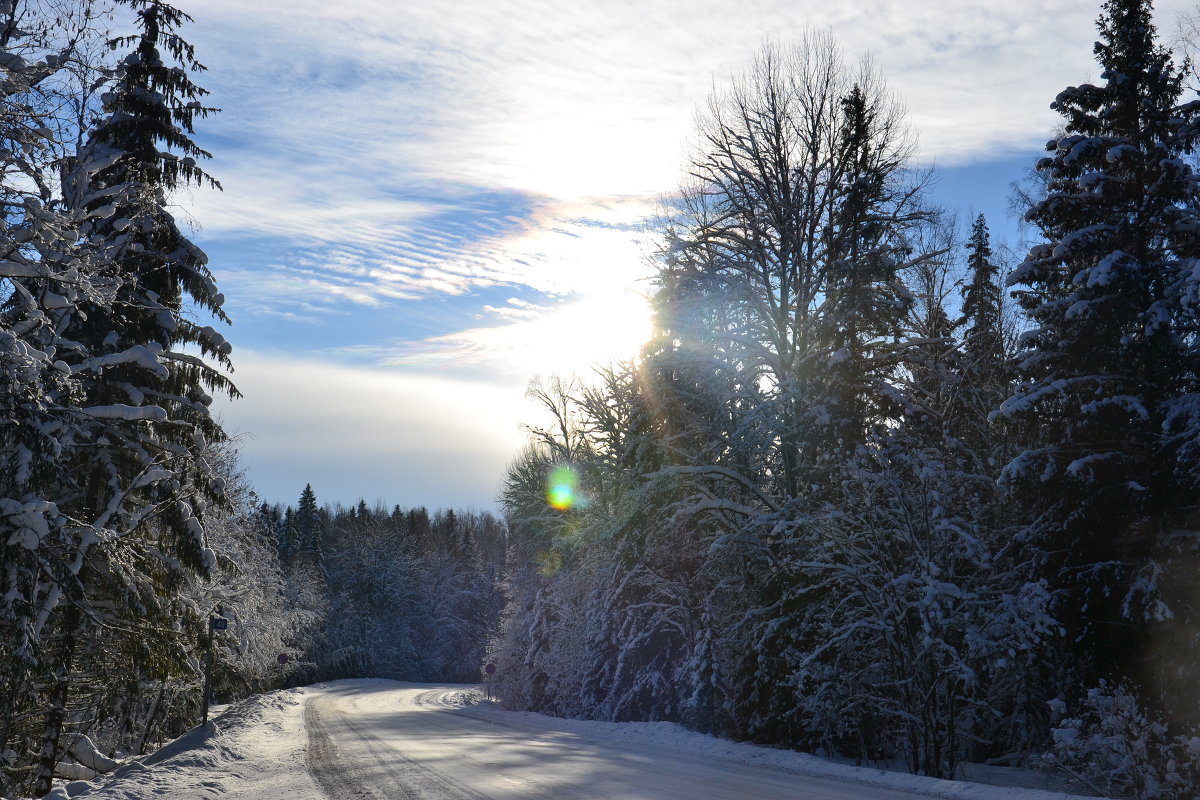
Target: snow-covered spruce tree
1109	370
142	483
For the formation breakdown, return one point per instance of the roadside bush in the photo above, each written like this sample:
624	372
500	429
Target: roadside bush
1112	747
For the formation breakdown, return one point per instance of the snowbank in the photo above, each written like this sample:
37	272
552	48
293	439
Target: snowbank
252	751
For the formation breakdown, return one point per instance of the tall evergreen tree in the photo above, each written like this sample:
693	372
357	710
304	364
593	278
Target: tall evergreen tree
307	526
151	404
866	245
138	153
985	368
1112	354
981	308
146	479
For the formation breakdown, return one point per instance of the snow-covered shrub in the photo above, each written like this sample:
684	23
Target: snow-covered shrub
1112	746
919	633
541	650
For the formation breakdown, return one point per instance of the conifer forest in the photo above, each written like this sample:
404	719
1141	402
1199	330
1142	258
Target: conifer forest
875	489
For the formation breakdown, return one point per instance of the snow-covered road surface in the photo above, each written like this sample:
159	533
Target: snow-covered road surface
417	742
384	740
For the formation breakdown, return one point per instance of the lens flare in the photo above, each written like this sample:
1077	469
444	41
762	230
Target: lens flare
560	490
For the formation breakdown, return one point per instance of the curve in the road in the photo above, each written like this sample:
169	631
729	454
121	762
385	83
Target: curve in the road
379	740
362	767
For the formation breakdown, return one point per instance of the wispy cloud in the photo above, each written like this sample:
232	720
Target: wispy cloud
378	156
405	140
553	249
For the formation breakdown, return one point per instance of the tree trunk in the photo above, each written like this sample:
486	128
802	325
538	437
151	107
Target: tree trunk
56	713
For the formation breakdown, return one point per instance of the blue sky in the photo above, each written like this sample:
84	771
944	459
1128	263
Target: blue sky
428	204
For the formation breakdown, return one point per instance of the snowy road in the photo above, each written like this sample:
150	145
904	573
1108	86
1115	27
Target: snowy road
416	742
370	739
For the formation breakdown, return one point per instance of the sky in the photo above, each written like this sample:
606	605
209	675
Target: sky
428	204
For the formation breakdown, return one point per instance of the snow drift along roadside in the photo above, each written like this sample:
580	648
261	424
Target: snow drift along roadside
253	751
669	735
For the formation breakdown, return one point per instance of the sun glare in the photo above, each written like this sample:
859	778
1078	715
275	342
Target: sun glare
593	330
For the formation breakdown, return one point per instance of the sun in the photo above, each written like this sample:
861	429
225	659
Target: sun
580	333
601	328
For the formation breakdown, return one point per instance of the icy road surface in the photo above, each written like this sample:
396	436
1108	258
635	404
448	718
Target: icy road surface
383	740
415	743
422	742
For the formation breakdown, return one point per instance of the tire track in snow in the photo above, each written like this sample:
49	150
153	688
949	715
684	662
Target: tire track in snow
361	767
323	761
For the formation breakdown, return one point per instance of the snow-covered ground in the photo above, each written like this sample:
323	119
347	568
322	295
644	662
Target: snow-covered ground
376	738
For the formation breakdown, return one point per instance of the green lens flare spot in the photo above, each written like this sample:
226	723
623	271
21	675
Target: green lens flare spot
560	489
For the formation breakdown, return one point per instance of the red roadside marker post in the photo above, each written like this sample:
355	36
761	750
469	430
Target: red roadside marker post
490	669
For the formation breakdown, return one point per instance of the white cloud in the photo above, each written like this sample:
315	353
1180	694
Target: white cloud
571	99
516	309
406	138
377	434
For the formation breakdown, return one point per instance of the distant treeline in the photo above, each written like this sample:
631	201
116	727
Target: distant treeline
386	593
